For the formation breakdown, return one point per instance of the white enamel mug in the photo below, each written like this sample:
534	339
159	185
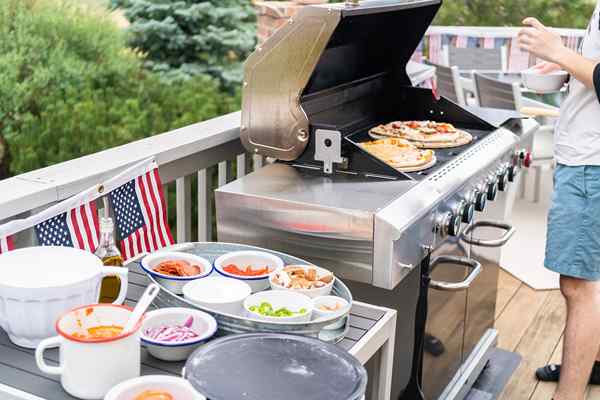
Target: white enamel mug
39	284
89	368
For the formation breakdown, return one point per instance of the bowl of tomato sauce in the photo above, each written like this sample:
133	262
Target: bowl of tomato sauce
252	267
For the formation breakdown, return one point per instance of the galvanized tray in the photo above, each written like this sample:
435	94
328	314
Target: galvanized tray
232	324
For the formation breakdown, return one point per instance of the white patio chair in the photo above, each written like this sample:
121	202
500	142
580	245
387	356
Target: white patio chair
448	83
476	58
497	94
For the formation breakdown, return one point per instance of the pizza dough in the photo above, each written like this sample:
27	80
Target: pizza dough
424	134
400	154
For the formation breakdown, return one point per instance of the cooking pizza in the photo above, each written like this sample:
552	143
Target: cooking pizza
424	134
400	154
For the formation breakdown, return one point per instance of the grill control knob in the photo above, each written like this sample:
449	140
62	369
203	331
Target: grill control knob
502	180
512	173
525	158
492	190
467	214
453	227
480	201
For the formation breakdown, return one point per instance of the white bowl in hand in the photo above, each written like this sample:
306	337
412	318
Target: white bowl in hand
544	83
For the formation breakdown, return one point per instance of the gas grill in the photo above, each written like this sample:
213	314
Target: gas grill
424	243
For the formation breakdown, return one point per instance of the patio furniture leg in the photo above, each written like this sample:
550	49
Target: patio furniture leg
386	364
537	186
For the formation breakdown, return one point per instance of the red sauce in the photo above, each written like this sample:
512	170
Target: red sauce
100	332
248	271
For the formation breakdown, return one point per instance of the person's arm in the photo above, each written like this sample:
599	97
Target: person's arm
547	45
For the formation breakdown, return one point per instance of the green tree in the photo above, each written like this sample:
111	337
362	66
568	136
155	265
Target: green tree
557	13
69	86
190	37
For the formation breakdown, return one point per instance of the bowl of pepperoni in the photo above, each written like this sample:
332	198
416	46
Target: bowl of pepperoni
173	269
252	267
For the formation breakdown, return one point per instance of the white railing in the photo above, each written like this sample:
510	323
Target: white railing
196	151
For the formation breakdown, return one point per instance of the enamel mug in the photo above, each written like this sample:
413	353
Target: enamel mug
90	367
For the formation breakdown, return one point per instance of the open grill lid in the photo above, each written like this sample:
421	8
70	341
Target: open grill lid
324	49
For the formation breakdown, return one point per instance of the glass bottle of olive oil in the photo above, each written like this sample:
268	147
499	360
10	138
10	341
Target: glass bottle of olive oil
110	256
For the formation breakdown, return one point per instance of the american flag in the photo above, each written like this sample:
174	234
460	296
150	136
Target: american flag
6	244
77	227
141	215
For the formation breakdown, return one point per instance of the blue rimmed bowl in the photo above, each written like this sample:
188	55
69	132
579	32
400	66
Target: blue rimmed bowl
172	283
254	260
203	324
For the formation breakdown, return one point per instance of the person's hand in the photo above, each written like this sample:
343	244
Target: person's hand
540	41
546	67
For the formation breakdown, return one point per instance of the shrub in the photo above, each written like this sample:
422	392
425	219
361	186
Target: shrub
190	37
557	13
69	86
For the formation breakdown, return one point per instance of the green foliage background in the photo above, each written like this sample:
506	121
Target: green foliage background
557	13
184	38
69	86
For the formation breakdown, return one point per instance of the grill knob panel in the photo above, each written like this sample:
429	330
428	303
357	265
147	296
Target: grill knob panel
480	201
468	211
492	190
454	222
502	180
512	173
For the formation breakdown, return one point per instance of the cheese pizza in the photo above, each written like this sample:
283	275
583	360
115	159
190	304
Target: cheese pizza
400	154
424	134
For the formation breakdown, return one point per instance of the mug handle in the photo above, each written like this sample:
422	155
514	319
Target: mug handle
121	273
39	355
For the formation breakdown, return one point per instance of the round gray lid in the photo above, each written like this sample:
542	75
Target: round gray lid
274	367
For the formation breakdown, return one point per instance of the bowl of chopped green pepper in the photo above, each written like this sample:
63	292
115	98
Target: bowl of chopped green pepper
279	306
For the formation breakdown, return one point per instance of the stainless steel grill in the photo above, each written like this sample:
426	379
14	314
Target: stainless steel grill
311	93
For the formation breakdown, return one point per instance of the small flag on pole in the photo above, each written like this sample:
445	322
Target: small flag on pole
141	216
6	244
77	227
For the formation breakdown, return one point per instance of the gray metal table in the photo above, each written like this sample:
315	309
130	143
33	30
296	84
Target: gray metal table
372	331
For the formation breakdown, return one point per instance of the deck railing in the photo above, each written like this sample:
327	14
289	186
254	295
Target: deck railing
194	152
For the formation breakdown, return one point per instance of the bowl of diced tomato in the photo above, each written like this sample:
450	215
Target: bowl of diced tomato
252	267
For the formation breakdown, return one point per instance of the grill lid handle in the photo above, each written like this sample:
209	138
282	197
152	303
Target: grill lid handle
508	229
457	261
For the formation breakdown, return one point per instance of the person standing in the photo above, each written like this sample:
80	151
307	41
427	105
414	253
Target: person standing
573	237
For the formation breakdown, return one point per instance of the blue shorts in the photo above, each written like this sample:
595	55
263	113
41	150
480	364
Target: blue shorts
573	240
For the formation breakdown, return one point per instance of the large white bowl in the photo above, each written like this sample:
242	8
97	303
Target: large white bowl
39	284
544	83
278	299
254	259
204	324
312	293
179	388
218	293
175	284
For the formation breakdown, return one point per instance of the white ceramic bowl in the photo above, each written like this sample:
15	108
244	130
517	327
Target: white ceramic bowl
39	284
312	293
331	301
254	259
218	293
174	284
179	388
204	325
544	83
278	299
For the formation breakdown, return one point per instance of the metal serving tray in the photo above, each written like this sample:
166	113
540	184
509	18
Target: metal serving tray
232	324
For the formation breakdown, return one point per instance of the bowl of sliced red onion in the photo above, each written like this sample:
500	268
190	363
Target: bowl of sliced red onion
172	334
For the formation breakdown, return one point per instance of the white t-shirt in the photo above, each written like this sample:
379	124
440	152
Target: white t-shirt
577	135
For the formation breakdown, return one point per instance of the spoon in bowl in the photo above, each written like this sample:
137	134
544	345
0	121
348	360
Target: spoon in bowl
141	307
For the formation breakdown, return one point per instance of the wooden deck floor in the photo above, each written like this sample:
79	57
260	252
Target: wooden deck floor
531	323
